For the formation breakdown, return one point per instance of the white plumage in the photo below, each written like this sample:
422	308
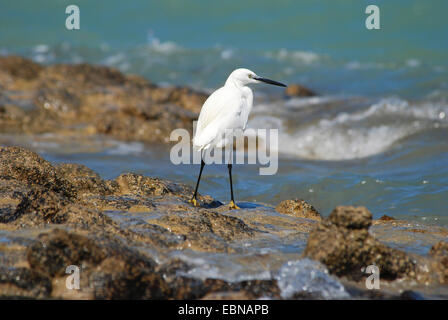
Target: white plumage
226	109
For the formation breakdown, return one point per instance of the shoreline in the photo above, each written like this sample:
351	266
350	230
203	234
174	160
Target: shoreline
86	100
137	236
110	225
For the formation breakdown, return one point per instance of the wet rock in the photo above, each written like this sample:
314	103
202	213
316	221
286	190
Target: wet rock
258	288
26	166
439	249
386	218
187	98
131	278
111	271
440	252
143	187
228	295
40	207
11	194
411	295
130	183
297	90
190	288
229	228
351	217
82	179
205	230
41	204
86	100
34	192
11	117
84	74
298	208
53	216
342	242
20	283
54	252
21	68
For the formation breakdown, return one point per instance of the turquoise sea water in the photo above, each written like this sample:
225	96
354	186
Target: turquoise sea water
321	43
377	135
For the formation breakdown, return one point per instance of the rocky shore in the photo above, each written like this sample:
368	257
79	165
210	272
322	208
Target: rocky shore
137	237
122	233
86	100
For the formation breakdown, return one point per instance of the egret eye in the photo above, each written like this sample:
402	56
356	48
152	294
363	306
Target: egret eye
250	76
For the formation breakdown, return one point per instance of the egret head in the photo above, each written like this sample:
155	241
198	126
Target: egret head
242	77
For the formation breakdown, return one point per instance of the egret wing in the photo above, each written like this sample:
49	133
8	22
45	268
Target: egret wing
246	106
217	113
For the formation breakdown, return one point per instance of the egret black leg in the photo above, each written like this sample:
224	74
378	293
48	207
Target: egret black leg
194	199
232	204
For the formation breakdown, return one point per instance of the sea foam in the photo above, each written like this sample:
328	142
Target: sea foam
351	133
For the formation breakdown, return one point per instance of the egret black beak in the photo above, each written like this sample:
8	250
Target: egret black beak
275	83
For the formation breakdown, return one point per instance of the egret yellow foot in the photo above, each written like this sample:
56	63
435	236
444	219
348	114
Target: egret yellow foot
232	205
194	202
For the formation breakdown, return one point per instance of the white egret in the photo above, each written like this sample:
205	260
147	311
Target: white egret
227	108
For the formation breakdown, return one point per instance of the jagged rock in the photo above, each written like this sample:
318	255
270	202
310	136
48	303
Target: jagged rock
112	271
44	205
86	99
24	165
18	67
351	217
83	179
203	221
52	253
297	90
440	252
298	208
130	183
342	242
23	283
385	217
63	212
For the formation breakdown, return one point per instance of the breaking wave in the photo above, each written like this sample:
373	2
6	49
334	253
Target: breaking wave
350	133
